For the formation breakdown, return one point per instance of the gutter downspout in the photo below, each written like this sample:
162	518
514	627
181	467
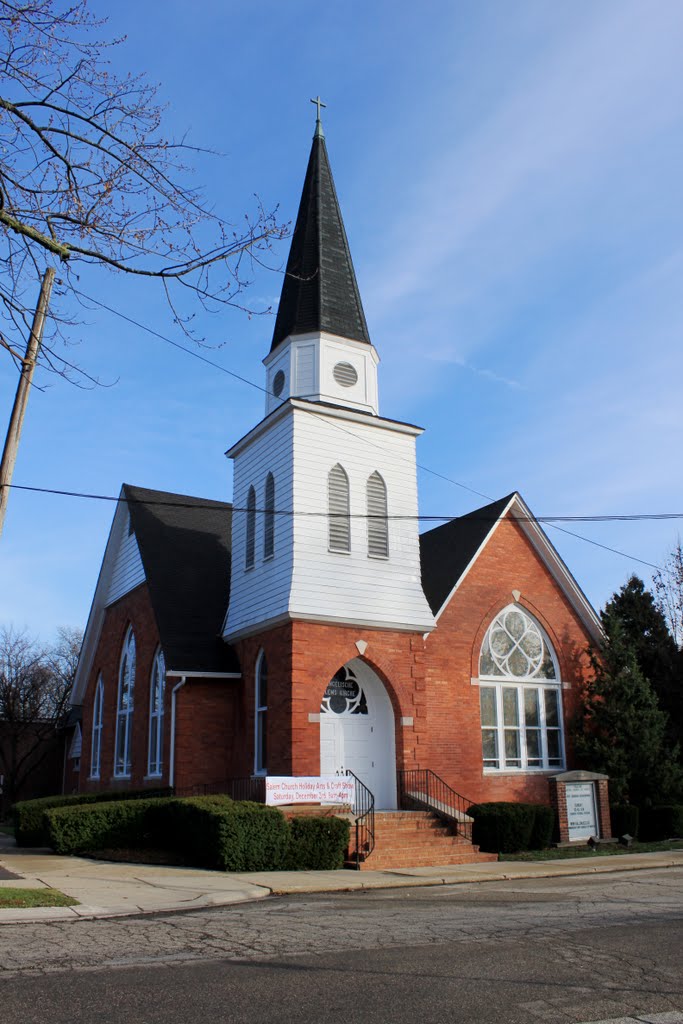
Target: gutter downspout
171	760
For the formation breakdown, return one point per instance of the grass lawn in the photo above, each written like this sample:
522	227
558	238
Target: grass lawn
600	851
7	830
13	898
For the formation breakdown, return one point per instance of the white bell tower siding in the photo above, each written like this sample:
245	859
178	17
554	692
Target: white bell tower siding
300	443
321	367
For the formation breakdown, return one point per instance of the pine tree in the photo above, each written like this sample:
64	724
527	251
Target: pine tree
621	729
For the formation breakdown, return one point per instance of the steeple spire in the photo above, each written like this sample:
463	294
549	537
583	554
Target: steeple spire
320	292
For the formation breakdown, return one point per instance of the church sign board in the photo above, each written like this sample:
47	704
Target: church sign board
581	811
322	789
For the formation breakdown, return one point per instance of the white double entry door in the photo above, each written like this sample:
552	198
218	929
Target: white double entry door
357	731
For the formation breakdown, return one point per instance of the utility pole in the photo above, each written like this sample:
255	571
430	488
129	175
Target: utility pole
28	365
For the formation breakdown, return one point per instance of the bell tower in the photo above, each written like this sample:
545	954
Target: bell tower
325	490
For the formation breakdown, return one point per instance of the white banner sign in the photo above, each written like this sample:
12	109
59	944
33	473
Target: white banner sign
322	789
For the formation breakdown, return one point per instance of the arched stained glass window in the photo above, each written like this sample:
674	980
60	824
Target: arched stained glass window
261	712
339	510
124	707
378	524
96	740
520	695
157	689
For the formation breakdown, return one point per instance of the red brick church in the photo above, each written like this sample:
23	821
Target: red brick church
309	629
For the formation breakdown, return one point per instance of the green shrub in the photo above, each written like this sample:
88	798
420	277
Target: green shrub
216	832
506	827
28	814
664	822
543	827
625	820
317	843
102	825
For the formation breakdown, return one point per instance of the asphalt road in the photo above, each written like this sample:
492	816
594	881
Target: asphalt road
549	950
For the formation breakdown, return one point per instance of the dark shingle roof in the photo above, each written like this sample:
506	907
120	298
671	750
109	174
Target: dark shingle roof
184	544
446	551
320	292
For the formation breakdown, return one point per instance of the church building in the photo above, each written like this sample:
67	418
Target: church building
308	629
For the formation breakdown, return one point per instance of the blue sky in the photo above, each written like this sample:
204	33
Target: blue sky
510	179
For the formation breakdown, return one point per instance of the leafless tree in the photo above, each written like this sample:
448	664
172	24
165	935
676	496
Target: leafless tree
35	685
87	175
668	585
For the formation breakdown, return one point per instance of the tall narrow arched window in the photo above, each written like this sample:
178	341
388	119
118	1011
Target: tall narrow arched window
269	518
339	510
124	708
260	716
157	687
251	529
520	695
96	739
378	524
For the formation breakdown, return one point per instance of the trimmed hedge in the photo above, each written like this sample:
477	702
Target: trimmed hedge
625	819
104	825
212	832
506	827
317	843
664	822
28	814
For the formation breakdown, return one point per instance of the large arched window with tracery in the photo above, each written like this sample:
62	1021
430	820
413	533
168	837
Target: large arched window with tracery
520	695
124	708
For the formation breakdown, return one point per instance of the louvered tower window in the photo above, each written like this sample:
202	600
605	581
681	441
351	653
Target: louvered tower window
378	525
251	529
269	522
338	507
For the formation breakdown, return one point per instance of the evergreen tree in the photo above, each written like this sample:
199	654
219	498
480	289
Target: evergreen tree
621	730
646	630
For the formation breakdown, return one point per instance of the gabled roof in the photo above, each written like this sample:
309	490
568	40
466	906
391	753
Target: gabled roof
449	551
184	544
320	292
446	551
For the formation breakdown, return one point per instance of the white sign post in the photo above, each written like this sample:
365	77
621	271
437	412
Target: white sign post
322	789
581	810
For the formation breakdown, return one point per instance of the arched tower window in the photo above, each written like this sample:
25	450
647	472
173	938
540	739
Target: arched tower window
339	510
378	524
269	519
157	688
96	739
260	716
251	529
520	695
124	707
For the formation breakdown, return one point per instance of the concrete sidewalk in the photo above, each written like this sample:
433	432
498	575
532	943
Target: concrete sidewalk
106	889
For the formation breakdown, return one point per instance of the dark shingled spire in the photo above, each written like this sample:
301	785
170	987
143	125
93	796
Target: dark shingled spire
320	292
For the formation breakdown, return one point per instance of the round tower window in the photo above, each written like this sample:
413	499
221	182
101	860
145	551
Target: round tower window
345	375
278	383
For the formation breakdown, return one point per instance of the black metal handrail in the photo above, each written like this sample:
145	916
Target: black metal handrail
364	810
423	789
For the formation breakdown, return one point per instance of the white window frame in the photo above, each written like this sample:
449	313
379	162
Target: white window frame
250	535
269	518
520	685
260	718
157	691
124	714
96	737
339	511
376	499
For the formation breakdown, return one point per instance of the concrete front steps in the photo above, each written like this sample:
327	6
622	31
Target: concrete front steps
412	839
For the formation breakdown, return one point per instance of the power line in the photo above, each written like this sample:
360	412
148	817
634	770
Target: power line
550	521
